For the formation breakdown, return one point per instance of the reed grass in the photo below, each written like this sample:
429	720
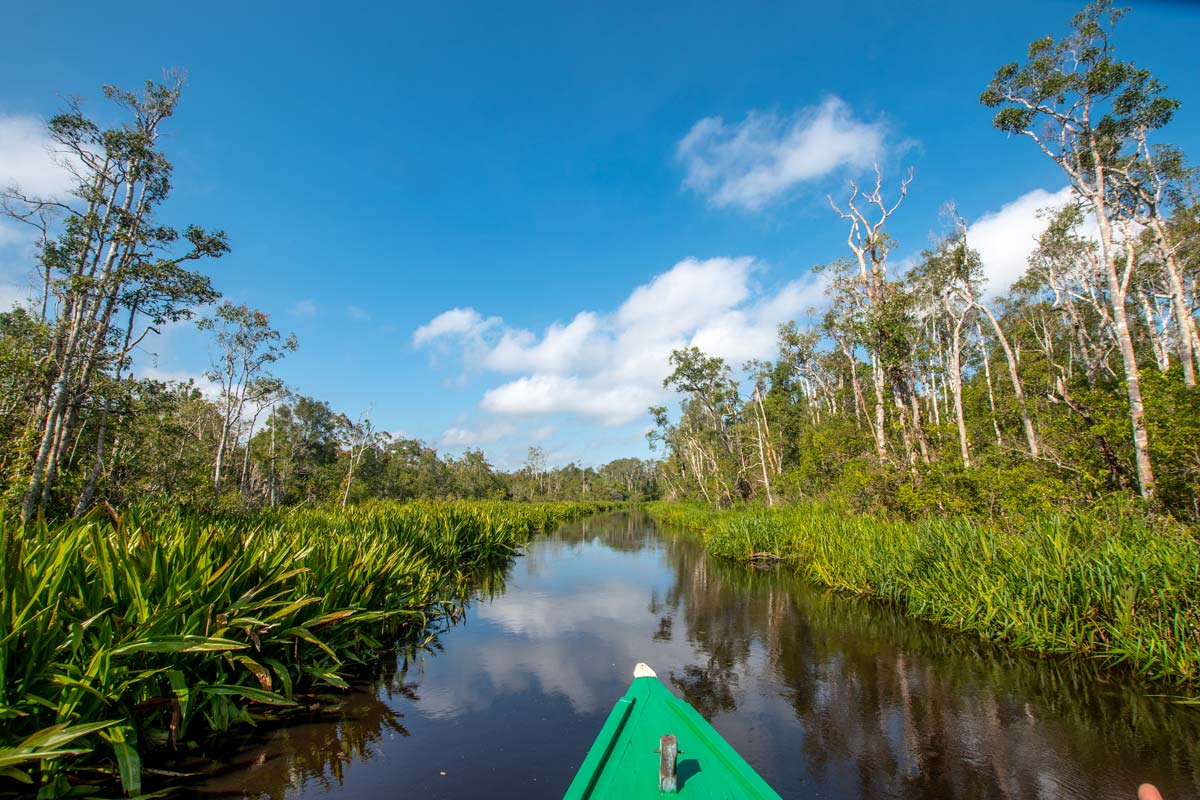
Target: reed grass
1114	586
152	631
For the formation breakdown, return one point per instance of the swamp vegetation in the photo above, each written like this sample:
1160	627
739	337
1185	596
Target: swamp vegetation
919	389
1113	587
1021	466
1017	463
826	695
148	633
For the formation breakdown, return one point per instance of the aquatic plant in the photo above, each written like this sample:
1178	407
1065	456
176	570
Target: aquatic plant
1116	586
151	631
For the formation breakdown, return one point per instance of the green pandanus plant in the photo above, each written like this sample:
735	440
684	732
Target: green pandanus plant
1116	587
123	636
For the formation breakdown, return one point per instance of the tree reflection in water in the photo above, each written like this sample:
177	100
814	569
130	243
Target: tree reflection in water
316	748
896	708
827	696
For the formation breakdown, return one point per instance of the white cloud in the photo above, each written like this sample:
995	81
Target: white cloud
561	349
541	394
766	156
457	322
607	368
474	437
358	314
12	295
685	296
741	334
26	161
1007	237
303	308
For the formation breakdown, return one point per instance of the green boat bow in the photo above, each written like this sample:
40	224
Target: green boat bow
634	755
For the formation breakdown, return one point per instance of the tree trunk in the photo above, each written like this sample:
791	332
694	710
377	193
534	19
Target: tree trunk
1015	377
33	492
763	443
242	484
1159	335
954	375
918	423
987	374
877	429
1185	325
89	486
860	403
220	458
1133	388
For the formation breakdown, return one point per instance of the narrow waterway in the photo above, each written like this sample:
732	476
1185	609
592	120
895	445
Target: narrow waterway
825	696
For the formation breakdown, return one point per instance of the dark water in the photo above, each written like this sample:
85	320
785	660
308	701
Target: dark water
824	695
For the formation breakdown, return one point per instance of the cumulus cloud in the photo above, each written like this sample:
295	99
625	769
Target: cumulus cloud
1006	238
685	296
27	164
608	367
540	394
26	161
474	437
465	323
560	348
766	156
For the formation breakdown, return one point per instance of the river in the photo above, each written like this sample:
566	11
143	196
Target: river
826	696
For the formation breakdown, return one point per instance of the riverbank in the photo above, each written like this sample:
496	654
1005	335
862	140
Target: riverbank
153	631
1116	587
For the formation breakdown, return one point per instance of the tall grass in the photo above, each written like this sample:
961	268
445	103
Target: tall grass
1114	586
155	630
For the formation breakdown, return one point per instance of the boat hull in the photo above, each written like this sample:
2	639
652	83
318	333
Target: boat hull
624	761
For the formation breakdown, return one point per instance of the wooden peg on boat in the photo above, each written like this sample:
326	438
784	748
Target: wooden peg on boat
668	752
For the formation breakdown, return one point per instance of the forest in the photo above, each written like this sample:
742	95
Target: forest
918	392
78	425
1024	468
1021	464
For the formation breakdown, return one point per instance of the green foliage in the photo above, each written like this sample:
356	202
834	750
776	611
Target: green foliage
125	637
1173	411
1111	585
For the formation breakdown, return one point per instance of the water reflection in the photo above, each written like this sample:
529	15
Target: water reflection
825	696
313	750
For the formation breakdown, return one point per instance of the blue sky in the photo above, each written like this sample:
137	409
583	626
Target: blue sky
587	186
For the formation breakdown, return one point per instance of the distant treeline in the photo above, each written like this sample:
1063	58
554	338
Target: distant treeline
916	393
141	440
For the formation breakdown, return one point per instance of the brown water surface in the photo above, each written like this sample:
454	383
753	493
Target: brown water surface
826	696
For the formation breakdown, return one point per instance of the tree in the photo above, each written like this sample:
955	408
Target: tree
950	272
535	468
359	437
103	254
1091	114
474	477
245	345
708	427
885	312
